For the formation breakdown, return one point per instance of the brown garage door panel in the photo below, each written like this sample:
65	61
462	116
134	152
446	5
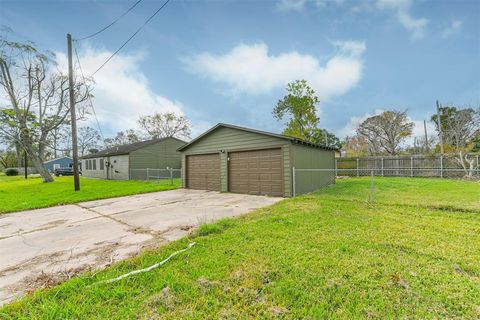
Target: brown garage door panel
203	172
256	172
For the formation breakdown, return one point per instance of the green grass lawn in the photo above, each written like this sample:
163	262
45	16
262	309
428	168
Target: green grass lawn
415	254
17	194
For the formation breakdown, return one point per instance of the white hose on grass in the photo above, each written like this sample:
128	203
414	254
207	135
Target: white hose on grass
156	265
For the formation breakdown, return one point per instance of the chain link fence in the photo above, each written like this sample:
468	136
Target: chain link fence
408	166
155	174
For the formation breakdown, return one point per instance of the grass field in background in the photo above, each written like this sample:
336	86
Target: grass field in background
17	194
330	254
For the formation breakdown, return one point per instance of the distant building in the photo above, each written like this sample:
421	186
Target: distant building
129	161
62	162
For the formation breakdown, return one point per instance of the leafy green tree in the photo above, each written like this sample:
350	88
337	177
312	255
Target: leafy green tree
326	138
299	108
476	143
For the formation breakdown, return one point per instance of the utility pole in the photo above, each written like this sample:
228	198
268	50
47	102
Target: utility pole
73	116
426	136
440	128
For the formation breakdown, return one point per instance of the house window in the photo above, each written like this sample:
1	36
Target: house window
101	164
94	164
56	166
89	165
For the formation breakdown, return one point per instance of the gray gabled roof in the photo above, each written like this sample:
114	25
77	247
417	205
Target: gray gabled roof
126	148
281	136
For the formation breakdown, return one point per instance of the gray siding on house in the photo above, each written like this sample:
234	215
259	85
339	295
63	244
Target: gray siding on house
90	173
119	167
118	170
230	139
304	157
133	165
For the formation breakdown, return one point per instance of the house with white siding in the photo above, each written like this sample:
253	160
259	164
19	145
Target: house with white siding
130	161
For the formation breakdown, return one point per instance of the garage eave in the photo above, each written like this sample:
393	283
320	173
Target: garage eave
292	139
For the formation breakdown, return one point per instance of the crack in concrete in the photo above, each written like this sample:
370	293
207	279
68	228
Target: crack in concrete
134	229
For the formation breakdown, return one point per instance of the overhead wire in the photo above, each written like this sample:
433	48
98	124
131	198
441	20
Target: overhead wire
111	24
89	97
132	36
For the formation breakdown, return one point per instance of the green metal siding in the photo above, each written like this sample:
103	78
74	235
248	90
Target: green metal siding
159	155
229	139
305	157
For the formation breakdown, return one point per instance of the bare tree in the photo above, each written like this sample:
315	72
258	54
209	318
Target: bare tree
459	126
123	137
88	138
464	159
386	131
59	141
162	125
35	86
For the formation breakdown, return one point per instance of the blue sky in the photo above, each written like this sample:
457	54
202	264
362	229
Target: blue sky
229	61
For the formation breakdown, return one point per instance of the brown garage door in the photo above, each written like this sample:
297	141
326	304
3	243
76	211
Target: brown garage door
203	172
256	172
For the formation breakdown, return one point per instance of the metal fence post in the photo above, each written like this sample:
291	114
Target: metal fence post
293	184
441	166
171	176
372	190
478	168
382	168
337	165
357	168
411	166
148	174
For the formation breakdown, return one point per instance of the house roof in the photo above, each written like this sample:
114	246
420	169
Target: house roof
126	148
281	136
51	160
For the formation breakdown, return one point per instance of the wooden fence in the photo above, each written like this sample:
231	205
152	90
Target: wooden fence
405	166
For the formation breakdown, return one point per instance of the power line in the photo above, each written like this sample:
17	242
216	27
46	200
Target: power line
89	97
111	24
132	36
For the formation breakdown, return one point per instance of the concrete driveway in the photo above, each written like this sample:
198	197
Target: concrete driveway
41	247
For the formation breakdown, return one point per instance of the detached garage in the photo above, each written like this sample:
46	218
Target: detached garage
229	158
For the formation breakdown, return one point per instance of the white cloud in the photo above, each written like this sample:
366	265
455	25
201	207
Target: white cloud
350	128
291	5
251	69
121	91
454	28
299	5
416	26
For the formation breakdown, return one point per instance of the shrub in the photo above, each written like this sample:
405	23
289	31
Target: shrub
11	172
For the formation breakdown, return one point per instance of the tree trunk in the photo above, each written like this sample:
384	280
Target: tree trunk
35	158
18	150
38	164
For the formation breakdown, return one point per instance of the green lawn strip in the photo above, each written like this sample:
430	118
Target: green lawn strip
442	194
310	256
17	194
